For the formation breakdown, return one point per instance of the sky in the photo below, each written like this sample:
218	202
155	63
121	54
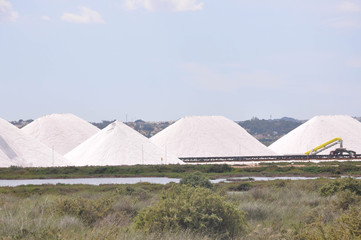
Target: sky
160	60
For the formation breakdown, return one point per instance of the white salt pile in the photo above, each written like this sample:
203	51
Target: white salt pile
118	144
20	149
61	132
209	136
319	130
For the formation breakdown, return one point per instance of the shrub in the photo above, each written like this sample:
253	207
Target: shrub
345	199
280	184
220	168
351	223
347	226
242	187
196	179
88	210
339	185
198	209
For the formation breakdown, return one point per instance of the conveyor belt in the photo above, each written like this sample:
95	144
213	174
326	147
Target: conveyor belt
269	158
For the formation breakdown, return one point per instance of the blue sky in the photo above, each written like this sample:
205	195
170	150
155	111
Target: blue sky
164	59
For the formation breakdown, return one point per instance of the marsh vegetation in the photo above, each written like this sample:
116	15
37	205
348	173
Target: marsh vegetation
308	209
325	169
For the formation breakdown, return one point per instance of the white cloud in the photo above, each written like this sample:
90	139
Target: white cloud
86	16
348	6
347	19
7	14
228	78
46	18
164	5
346	24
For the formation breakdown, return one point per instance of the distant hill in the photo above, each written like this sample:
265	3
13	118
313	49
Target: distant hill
21	123
102	124
148	129
268	131
288	119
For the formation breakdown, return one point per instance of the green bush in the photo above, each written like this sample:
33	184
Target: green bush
280	184
242	187
88	210
347	226
198	209
196	179
345	199
220	168
350	223
339	185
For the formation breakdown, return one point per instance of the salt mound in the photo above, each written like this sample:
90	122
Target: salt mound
208	136
319	130
63	132
20	149
118	144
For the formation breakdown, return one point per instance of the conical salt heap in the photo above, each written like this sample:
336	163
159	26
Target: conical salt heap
209	136
20	149
118	144
62	132
319	130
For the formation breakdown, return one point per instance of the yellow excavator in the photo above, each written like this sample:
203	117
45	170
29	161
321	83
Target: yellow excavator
338	151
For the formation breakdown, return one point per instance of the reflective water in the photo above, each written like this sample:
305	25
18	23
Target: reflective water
89	181
130	180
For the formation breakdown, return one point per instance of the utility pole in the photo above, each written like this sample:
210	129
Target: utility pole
142	155
53	154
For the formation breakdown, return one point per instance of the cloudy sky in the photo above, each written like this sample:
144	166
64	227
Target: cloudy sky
164	59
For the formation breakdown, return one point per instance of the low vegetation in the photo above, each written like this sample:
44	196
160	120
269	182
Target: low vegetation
197	209
342	185
196	179
308	209
325	169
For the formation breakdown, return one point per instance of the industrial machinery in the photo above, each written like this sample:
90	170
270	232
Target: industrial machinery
335	155
338	151
341	151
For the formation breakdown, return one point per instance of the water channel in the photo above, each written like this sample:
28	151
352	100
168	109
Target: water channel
130	180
